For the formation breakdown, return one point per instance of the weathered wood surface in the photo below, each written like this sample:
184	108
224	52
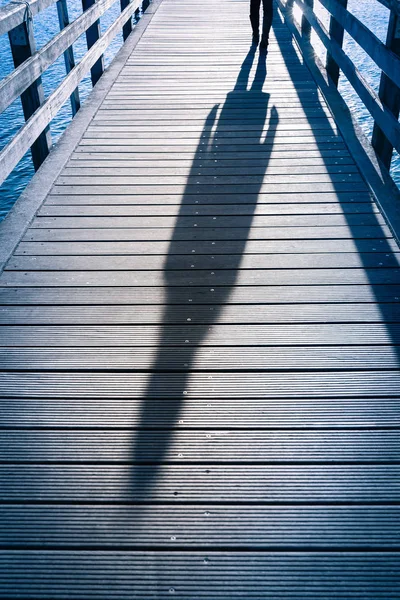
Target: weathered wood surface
13	14
200	342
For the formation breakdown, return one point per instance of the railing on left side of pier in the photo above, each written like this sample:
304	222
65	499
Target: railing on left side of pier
16	20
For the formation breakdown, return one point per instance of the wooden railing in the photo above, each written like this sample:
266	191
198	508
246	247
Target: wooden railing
383	106
16	20
25	81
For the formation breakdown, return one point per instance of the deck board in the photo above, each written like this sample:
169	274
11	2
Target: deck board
200	341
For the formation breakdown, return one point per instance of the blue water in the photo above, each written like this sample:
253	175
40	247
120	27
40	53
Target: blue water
371	12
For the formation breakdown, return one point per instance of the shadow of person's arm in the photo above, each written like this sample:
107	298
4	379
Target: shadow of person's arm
205	141
272	128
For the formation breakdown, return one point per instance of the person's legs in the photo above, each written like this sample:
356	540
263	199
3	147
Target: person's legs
255	19
267	22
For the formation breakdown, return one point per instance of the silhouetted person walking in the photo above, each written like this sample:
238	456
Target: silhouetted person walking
255	22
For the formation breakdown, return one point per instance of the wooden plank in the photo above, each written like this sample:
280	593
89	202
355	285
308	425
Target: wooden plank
305	98
93	34
292	294
128	210
208	234
207	385
238	143
69	58
282	247
322	152
389	89
127	28
226	152
209	189
178	72
230	130
275	162
140	315
217	76
208	527
336	32
267	413
176	103
91	168
174	262
181	359
212	184
285	198
115	575
200	277
189	335
224	84
242	151
112	447
23	47
205	222
183	483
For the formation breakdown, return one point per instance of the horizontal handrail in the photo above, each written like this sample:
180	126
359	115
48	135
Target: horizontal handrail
14	13
12	86
13	152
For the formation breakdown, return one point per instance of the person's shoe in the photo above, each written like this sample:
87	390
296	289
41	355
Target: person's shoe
264	44
255	39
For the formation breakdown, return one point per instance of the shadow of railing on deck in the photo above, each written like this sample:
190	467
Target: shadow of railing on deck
376	250
208	153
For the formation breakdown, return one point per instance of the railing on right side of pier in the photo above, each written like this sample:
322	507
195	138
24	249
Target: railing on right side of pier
383	106
16	20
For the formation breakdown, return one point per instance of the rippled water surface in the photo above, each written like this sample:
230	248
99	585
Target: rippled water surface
371	12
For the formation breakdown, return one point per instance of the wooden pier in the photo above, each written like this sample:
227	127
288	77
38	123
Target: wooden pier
200	336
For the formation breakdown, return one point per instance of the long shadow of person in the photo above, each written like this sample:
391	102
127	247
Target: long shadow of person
223	137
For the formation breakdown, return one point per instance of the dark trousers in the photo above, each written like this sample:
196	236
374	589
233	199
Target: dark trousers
255	16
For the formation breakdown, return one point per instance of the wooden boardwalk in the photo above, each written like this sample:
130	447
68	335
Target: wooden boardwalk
200	345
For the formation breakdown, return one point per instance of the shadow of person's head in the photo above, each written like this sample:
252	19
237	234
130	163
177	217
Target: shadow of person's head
233	133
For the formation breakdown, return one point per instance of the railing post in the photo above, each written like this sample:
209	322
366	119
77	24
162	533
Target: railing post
69	59
389	93
23	45
305	25
336	33
93	33
127	28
